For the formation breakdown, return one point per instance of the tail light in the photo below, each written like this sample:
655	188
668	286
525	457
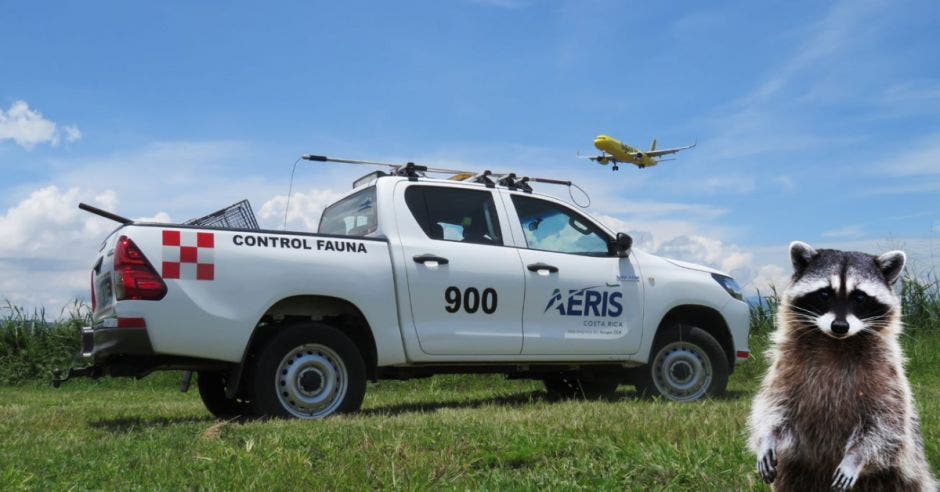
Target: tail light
136	278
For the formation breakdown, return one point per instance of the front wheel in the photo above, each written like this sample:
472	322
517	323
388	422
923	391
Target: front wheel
686	364
309	371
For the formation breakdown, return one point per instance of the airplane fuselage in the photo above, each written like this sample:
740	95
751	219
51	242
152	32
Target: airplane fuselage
621	152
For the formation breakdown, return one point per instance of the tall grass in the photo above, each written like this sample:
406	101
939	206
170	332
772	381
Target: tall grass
32	346
920	298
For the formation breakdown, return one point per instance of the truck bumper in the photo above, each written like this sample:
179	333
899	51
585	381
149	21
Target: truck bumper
102	342
737	315
111	347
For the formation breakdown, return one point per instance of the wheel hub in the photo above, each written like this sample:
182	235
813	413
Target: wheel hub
681	371
311	380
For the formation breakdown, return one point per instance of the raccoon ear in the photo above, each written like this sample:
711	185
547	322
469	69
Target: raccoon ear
801	254
891	265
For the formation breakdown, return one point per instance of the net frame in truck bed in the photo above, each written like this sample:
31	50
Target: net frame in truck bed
239	215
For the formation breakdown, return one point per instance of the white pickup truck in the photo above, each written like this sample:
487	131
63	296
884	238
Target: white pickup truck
409	277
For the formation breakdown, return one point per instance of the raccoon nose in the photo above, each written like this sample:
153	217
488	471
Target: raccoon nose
840	327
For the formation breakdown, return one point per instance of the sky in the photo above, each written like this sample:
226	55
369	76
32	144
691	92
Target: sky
814	121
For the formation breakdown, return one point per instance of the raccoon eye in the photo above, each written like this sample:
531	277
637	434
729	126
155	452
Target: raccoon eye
859	297
824	294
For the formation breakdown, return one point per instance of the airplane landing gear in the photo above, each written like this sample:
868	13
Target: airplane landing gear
616	168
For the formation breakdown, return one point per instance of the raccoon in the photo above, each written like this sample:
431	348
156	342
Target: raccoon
835	410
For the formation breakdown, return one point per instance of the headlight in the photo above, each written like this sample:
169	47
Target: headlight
729	285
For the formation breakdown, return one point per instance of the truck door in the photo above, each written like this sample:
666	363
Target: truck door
579	297
466	287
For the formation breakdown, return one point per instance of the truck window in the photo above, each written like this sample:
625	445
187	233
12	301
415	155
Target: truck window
549	226
351	216
455	214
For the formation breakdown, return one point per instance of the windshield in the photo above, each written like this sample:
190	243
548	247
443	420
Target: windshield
351	216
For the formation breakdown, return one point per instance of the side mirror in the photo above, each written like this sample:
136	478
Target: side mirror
622	244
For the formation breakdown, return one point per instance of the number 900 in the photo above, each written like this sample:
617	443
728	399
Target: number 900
470	299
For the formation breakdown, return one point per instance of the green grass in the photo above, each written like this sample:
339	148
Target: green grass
462	432
453	432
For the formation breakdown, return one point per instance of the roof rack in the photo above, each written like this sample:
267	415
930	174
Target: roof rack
414	171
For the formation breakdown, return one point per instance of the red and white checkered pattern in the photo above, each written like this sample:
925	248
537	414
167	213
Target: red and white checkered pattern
188	255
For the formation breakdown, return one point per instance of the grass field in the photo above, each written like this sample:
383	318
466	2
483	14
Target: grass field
463	432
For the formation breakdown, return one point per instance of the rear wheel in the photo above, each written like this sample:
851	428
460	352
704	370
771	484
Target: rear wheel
687	364
571	387
308	371
212	387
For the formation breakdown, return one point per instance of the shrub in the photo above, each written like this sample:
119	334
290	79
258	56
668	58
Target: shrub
32	347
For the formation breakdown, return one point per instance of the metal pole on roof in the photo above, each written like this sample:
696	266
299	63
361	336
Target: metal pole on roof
323	158
411	170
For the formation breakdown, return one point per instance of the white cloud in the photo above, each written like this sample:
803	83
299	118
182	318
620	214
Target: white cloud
27	127
72	133
48	223
708	251
686	241
46	243
157	218
305	210
756	269
768	278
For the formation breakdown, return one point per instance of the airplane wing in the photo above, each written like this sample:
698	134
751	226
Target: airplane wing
657	153
598	158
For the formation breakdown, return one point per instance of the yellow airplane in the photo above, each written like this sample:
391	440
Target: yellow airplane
615	152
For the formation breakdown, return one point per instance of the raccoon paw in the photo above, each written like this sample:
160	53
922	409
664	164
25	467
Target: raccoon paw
846	475
767	465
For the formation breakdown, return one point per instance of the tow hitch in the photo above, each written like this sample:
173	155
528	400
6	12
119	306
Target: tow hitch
94	372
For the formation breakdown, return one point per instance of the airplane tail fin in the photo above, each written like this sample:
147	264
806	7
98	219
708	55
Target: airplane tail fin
653	145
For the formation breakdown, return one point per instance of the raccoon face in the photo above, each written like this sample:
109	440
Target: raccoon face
842	293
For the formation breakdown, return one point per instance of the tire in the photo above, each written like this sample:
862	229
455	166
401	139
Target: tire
686	364
212	391
308	371
572	387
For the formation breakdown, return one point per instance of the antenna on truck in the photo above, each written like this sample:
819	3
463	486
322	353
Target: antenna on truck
414	171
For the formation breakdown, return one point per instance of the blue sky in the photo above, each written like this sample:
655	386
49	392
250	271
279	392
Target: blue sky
815	121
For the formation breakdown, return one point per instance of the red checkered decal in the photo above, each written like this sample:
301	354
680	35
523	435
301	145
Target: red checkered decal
188	255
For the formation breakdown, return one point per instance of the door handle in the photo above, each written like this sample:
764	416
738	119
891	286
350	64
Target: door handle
432	258
535	267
